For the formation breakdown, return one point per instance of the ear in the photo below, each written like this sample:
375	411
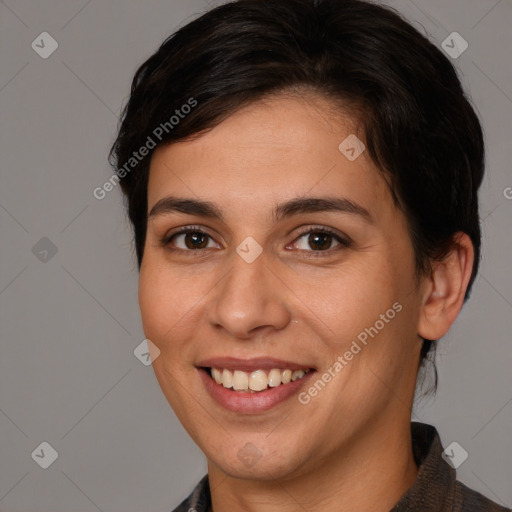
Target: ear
445	288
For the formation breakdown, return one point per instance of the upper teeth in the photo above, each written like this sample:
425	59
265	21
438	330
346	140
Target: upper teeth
257	380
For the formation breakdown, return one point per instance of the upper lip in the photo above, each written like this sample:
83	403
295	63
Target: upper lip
250	365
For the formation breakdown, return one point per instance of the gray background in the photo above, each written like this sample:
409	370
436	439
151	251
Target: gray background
70	324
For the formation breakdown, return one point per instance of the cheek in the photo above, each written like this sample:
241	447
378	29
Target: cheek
355	298
171	301
372	306
149	303
160	305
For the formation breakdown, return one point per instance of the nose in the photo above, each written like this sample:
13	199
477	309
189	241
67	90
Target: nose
250	299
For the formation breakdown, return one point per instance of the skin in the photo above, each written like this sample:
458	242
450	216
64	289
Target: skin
349	448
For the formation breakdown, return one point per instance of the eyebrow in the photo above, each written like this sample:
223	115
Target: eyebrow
297	206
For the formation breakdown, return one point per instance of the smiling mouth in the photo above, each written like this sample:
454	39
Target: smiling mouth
255	381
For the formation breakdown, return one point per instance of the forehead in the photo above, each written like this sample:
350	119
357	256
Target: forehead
280	147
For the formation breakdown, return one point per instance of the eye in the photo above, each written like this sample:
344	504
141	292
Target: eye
320	239
189	239
314	240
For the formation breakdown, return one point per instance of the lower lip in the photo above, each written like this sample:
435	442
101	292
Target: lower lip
238	401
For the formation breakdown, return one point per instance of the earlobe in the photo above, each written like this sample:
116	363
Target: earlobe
445	289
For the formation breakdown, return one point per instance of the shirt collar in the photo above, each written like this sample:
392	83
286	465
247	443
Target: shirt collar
434	487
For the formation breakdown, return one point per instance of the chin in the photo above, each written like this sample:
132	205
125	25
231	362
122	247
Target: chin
246	461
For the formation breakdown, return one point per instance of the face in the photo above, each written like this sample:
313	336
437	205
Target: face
269	249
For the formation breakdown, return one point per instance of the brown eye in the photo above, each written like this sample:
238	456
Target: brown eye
319	240
187	240
195	240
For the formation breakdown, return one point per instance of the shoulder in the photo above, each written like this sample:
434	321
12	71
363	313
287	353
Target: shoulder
468	500
199	499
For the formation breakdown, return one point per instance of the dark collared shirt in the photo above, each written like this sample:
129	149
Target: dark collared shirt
434	490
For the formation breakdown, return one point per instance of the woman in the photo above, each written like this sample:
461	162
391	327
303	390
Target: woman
302	179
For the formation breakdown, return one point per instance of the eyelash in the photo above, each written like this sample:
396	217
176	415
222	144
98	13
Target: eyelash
344	242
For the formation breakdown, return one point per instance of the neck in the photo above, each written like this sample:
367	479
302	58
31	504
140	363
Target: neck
370	473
